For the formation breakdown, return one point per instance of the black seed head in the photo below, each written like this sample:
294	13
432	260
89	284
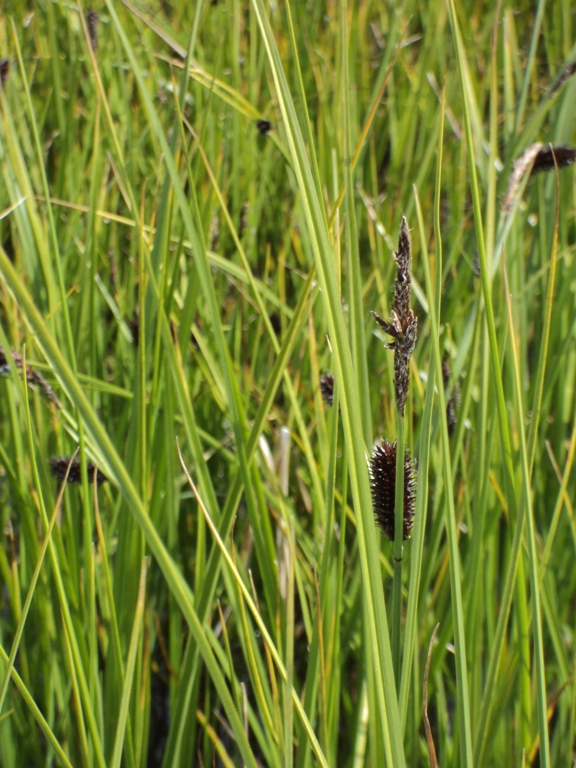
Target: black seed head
327	387
264	126
92	20
403	284
383	477
544	161
535	159
59	467
403	325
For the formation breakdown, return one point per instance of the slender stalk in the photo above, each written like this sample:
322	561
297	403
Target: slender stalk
396	620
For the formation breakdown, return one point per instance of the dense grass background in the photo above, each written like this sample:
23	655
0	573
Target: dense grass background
181	280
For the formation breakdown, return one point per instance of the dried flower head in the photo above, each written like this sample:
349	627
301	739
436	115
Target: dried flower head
92	21
4	71
264	126
403	325
521	165
32	376
327	387
383	477
59	467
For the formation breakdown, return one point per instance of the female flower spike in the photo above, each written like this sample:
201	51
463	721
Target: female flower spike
383	481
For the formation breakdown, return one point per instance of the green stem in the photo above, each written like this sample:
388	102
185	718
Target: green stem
398	547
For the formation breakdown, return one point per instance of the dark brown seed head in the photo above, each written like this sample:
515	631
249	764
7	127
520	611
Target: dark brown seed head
4	71
403	349
327	387
264	126
535	159
92	20
403	284
544	161
403	325
59	467
383	477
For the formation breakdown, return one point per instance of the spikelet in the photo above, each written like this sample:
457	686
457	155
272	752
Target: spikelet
383	482
92	21
535	159
59	467
327	387
264	127
403	324
544	161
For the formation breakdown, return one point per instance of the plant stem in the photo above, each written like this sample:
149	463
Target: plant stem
398	547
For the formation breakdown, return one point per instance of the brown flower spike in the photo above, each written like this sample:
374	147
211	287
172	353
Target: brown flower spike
383	481
536	158
92	21
327	387
59	467
403	325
